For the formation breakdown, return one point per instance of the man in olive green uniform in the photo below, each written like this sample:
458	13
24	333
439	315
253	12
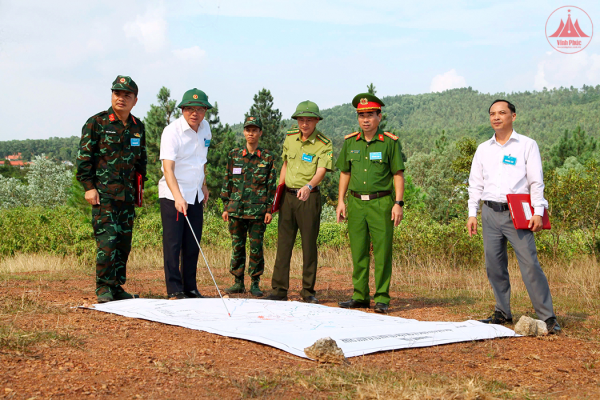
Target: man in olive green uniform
112	150
371	166
247	195
307	156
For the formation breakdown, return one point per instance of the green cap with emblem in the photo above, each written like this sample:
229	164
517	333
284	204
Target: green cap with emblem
125	83
195	98
365	102
307	109
251	120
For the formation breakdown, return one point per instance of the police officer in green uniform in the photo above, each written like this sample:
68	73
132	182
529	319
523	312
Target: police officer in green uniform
372	168
307	156
111	151
247	194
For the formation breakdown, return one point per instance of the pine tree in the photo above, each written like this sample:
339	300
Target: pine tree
578	145
158	117
273	134
222	142
372	90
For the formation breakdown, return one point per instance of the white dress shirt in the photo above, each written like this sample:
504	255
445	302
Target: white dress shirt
188	149
493	176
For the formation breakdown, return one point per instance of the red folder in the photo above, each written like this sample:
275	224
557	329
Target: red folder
139	189
278	197
521	211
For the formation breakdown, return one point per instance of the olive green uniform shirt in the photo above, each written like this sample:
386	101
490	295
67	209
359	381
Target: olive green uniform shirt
372	164
304	157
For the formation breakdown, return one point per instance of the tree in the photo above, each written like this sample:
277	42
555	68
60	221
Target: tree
578	145
273	134
223	141
158	117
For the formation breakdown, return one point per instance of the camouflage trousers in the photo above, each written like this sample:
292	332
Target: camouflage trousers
240	228
113	227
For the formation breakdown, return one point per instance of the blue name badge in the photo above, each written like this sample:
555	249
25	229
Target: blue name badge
206	142
135	141
509	160
307	157
375	156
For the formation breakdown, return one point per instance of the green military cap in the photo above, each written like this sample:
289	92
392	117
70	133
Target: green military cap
307	109
125	83
253	121
194	98
367	102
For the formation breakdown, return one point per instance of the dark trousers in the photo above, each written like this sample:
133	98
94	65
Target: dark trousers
178	240
296	214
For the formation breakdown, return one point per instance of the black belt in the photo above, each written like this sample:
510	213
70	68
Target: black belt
494	205
295	191
370	196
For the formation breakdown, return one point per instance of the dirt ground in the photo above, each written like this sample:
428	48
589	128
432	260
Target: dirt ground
82	353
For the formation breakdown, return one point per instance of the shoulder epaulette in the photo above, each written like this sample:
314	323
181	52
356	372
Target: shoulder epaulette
351	135
390	135
293	131
323	138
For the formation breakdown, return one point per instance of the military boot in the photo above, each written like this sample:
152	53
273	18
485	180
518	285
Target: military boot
104	294
238	286
120	294
255	289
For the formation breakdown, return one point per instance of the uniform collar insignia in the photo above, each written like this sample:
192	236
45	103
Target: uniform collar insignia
258	153
244	153
111	117
381	137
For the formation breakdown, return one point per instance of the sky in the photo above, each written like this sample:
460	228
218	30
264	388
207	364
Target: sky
59	58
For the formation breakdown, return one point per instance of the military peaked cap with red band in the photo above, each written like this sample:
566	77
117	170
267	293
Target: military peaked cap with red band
366	102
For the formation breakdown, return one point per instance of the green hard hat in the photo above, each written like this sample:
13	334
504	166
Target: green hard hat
125	83
195	98
307	109
251	120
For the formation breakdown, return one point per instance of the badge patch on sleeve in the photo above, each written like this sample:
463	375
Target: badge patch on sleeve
135	142
375	156
307	157
509	160
206	142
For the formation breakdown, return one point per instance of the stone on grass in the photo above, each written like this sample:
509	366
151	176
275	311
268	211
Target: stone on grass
531	327
326	350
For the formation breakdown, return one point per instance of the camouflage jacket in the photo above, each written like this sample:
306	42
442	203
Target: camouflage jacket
250	183
110	154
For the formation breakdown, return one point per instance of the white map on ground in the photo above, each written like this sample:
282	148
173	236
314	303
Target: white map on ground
292	326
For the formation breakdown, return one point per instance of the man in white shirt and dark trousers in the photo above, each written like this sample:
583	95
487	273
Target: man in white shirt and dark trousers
182	190
509	163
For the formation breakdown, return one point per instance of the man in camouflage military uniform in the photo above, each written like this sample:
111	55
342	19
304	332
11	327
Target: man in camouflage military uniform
247	194
112	150
307	156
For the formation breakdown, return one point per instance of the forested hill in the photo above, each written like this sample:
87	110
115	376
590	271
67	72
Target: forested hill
420	119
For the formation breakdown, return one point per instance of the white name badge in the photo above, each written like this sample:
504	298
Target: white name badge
237	170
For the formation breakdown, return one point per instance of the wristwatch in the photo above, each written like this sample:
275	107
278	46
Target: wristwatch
400	203
309	186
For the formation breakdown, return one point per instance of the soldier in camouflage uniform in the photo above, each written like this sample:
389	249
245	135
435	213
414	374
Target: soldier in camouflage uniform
111	151
247	194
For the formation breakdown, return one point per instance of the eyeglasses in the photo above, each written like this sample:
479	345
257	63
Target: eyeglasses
192	110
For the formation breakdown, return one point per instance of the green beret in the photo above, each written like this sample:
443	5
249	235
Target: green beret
195	98
307	109
125	83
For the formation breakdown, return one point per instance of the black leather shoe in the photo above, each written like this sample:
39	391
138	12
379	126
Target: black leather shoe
497	318
310	299
177	296
276	297
381	307
354	304
194	294
553	326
